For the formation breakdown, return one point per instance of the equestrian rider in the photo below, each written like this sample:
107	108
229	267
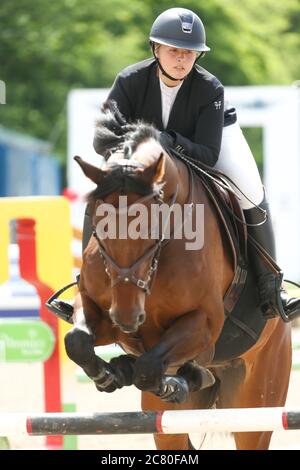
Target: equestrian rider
186	103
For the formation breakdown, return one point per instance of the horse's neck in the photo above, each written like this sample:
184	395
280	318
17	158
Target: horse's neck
175	170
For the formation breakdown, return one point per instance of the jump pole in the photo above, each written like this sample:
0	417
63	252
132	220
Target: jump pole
167	422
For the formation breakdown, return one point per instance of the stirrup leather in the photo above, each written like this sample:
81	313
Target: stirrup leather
62	309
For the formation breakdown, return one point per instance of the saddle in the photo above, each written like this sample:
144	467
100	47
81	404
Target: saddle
244	321
232	222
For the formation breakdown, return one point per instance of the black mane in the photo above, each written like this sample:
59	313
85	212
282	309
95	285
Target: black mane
113	132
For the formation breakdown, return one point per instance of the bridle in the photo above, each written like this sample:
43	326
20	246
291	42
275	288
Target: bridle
127	275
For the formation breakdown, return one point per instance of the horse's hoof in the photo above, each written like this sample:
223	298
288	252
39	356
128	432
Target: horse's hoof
107	380
208	378
106	384
174	389
109	389
197	377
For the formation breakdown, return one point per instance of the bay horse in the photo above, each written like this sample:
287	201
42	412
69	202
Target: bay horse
163	304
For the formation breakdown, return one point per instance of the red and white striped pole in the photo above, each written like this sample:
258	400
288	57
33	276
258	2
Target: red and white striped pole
167	422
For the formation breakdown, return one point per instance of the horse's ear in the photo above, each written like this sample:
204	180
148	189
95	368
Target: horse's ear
92	172
155	172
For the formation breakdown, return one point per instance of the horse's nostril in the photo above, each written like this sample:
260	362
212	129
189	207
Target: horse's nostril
141	318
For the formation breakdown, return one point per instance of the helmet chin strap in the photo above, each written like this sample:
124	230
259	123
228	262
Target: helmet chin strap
163	70
166	74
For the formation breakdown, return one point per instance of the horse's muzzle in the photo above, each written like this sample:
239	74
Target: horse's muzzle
130	326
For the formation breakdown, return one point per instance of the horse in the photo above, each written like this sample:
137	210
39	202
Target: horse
161	302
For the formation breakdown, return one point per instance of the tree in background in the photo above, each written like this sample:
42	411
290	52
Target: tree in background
48	47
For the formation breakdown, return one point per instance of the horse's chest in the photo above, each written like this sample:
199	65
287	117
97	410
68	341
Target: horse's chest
140	342
133	346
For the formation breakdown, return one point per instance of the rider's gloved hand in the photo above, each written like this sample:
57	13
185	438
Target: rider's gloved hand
166	140
229	117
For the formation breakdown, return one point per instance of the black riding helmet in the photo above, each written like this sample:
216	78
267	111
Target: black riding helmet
181	28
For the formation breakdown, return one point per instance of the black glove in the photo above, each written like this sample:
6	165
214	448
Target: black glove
166	140
229	117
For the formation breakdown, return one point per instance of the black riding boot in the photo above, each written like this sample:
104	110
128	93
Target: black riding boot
274	300
62	309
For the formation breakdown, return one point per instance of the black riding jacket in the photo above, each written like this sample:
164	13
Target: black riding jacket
196	118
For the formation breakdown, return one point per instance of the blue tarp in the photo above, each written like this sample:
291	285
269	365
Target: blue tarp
26	168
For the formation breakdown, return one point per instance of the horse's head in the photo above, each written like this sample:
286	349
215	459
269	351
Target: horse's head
131	181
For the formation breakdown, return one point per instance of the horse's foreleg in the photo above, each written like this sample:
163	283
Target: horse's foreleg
188	336
79	345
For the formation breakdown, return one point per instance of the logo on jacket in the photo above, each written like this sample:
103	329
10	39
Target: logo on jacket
218	104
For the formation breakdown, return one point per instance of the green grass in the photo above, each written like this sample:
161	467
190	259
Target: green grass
292	290
4	443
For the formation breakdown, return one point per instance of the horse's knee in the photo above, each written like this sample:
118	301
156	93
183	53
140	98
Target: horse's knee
79	346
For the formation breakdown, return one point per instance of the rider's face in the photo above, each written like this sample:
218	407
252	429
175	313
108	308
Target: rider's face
176	62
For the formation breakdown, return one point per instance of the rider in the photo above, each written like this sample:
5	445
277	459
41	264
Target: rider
186	103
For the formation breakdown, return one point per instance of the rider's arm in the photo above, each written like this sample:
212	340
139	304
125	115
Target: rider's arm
206	142
119	94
